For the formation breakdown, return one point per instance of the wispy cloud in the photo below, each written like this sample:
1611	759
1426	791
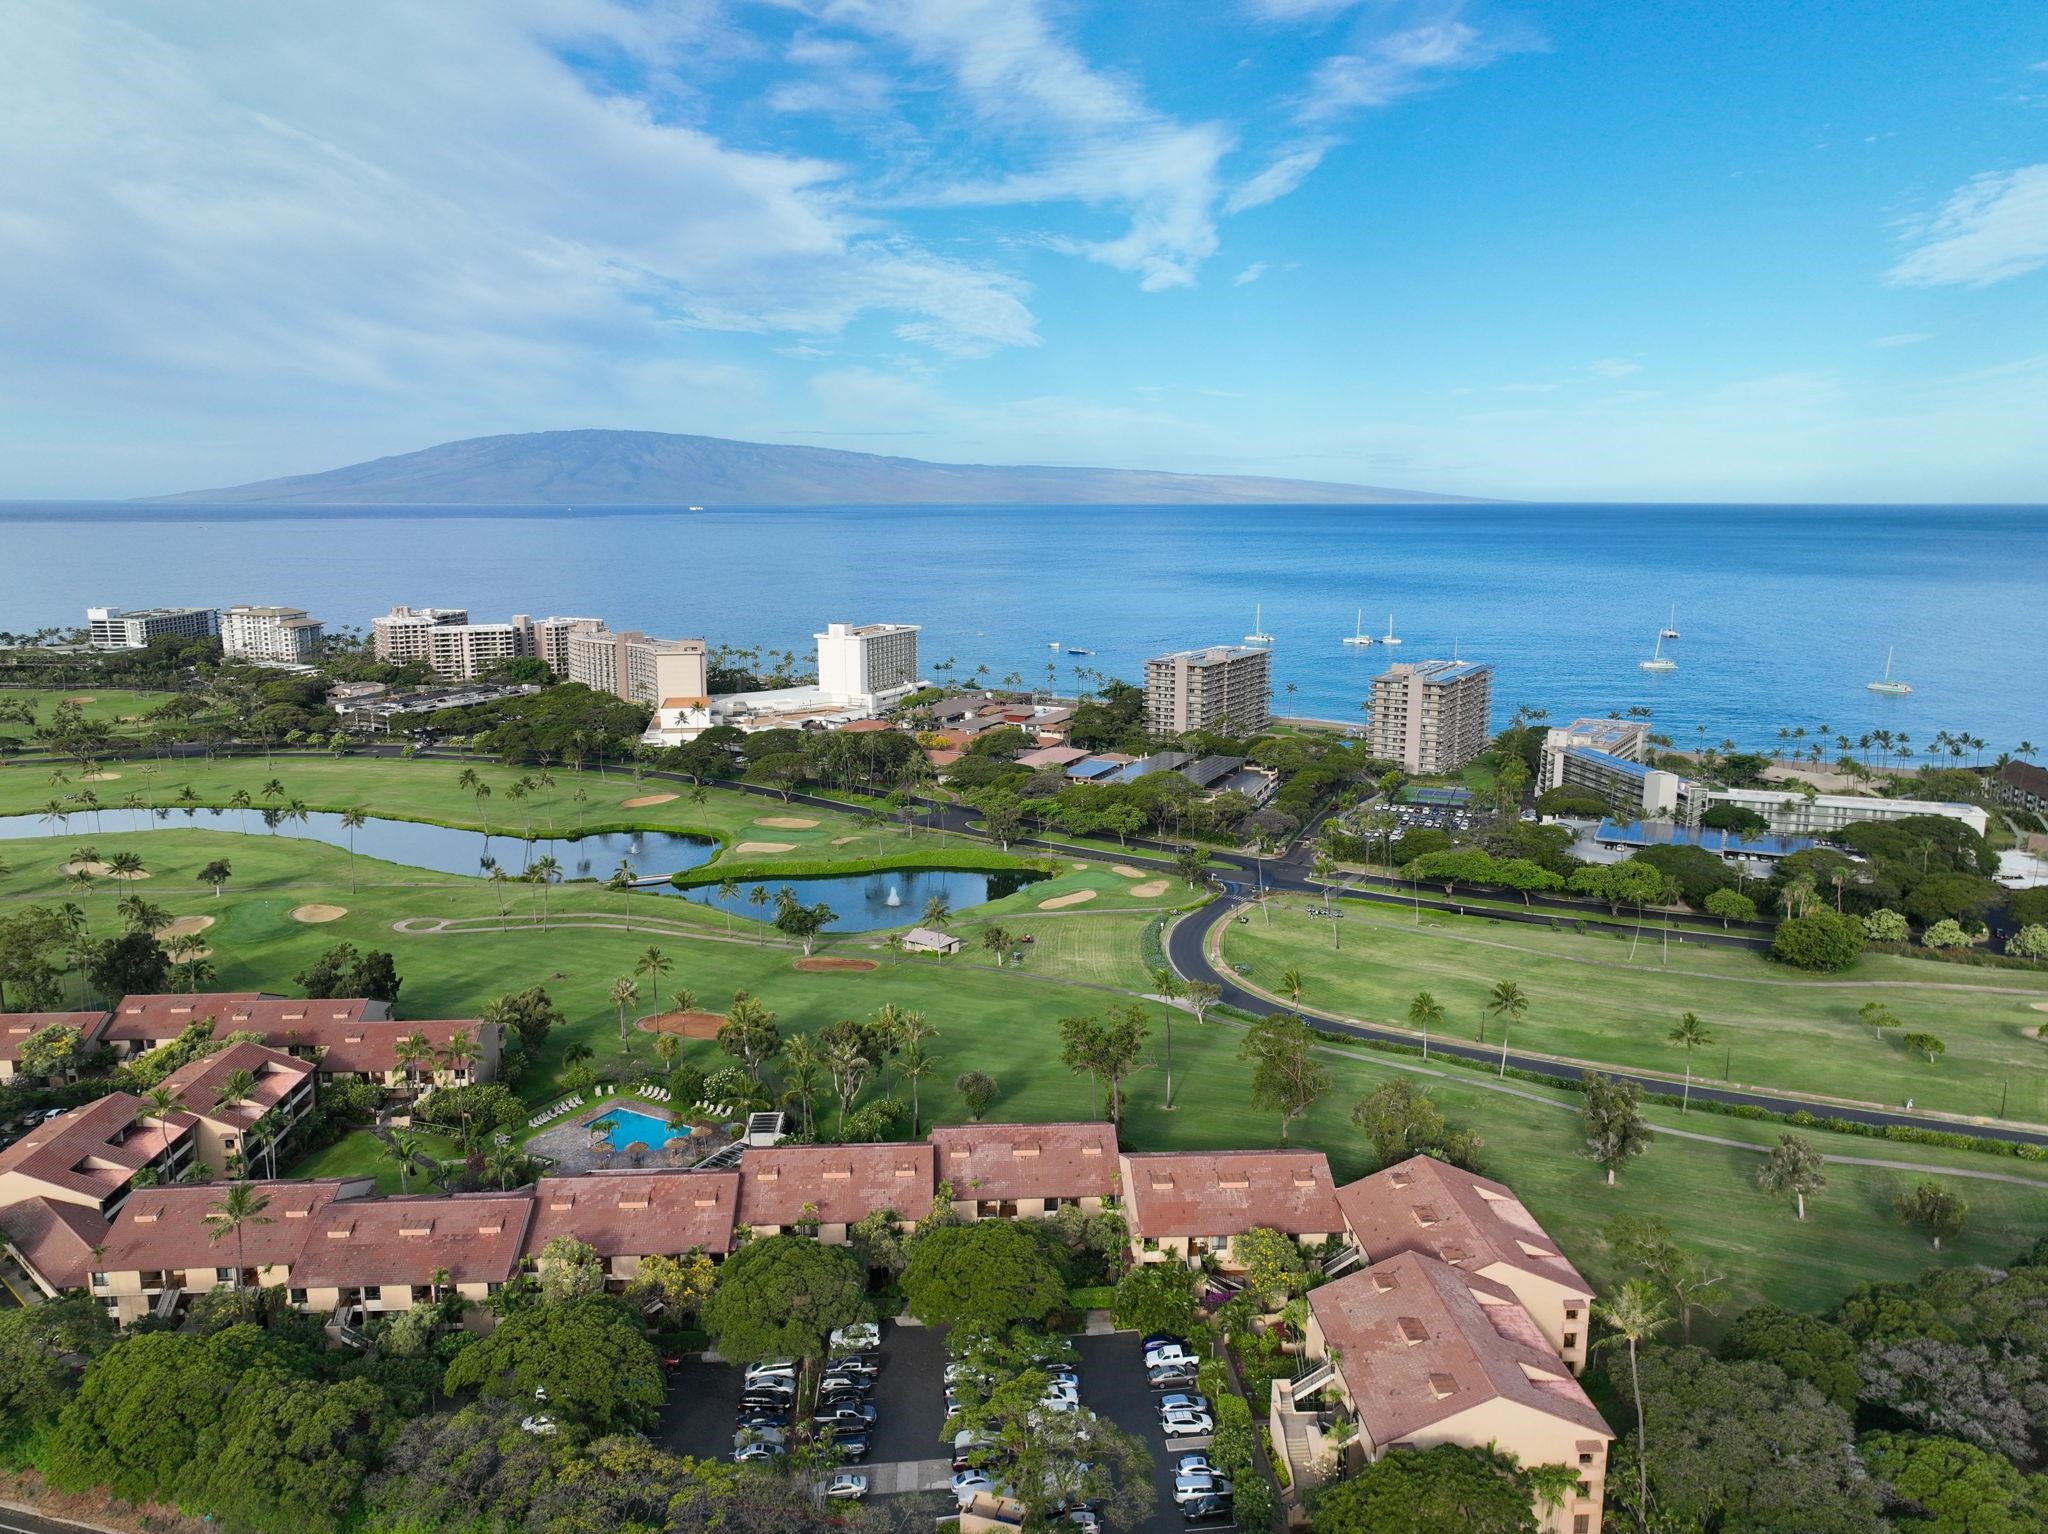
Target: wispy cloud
1252	273
1994	227
1380	70
1282	175
1904	338
1614	367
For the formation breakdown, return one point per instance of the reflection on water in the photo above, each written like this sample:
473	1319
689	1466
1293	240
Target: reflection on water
866	902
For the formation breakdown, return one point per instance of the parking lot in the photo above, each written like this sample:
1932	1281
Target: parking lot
1113	1386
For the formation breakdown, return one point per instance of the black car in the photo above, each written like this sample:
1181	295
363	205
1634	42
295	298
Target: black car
845	1387
754	1422
1163	1339
1210	1509
754	1401
850	1443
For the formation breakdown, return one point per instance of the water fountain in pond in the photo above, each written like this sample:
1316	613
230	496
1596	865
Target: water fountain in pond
895	897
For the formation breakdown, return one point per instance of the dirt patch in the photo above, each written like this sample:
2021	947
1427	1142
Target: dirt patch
1078	897
1125	871
101	871
315	914
184	926
745	847
1079	868
825	966
688	1025
786	822
2039	1006
1149	888
644	800
98	777
844	841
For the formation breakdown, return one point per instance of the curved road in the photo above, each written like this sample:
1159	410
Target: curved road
1187	951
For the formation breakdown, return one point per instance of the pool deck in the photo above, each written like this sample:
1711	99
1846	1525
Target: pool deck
570	1147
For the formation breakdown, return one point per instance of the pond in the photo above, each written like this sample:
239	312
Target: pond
869	902
444	849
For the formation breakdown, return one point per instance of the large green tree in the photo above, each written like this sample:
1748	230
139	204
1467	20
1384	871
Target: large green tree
1944	1486
781	1297
1819	940
988	1274
1157	1297
1429	1491
589	1354
1807	1348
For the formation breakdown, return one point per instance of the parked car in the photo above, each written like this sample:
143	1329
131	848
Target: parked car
861	1337
756	1421
1191	1488
1186	1424
845	1486
540	1424
969	1449
1169	1353
1210	1509
1192	1464
850	1444
783	1366
1171	1377
1181	1401
755	1453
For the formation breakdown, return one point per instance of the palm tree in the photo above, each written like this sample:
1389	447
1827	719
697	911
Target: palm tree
544	872
938	911
240	1207
1508	1002
234	1088
192	974
759	896
160	1102
495	872
850	1071
653	967
1637	1313
1688	1033
1290	985
728	892
801	1063
273	789
666	1048
351	821
1425	1012
125	865
412	1051
625	991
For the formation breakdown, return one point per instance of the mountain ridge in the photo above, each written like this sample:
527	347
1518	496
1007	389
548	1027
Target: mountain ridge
597	467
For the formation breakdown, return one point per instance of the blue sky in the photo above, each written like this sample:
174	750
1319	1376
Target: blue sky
1546	251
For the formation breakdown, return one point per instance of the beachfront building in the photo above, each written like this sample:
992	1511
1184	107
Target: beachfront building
1227	689
1793	812
634	667
283	634
1609	758
446	642
1430	716
2021	786
114	628
399	637
867	664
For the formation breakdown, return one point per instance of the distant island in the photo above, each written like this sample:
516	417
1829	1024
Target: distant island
651	468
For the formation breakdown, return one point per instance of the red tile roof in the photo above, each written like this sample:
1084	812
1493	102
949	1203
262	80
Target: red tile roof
476	1237
843	1182
371	1048
1006	1161
1225	1193
1419	1341
54	1238
160	1228
636	1214
198	1082
16	1028
1425	1205
144	1019
93	1150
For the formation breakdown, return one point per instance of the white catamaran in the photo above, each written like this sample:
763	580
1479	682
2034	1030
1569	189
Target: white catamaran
1658	660
1358	635
1258	635
1887	684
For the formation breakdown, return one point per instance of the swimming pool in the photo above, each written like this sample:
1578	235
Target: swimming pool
630	1126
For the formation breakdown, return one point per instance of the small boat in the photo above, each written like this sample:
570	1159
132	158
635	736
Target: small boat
1389	637
1258	635
1052	644
696	508
1358	634
1670	629
1886	684
1658	660
1073	651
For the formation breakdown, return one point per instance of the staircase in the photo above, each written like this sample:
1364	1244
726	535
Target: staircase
1308	1384
1343	1262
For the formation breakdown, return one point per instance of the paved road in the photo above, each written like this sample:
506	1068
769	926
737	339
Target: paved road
1187	951
17	1520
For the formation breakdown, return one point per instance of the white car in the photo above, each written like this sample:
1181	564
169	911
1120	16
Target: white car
969	1484
540	1424
861	1337
1186	1424
1169	1353
1180	1402
847	1487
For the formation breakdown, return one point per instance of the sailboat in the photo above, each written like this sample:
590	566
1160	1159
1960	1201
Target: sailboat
1358	634
1670	629
1258	635
1658	660
1389	638
1887	684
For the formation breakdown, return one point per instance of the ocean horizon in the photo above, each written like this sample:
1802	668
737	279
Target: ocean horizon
1785	612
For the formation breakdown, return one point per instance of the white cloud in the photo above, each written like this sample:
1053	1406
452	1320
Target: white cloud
1904	338
1614	367
1286	172
1994	227
1299	10
1381	70
1252	273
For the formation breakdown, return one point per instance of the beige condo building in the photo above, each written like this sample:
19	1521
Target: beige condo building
1430	716
285	634
1226	688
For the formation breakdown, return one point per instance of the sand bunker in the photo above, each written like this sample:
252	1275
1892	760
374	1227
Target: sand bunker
82	699
1079	868
786	822
1078	897
688	1025
184	926
844	841
1149	888
101	871
98	777
644	800
313	914
745	847
824	966
1124	870
2040	1006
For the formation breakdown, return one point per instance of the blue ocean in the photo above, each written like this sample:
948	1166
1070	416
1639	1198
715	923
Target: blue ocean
1784	613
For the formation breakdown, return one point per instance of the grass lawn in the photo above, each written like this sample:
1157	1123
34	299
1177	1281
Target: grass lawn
1006	1023
1589	1000
124	710
362	1155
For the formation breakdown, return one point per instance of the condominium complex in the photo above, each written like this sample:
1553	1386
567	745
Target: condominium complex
1430	716
870	664
269	633
632	666
1225	688
1608	758
1792	812
114	628
437	637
